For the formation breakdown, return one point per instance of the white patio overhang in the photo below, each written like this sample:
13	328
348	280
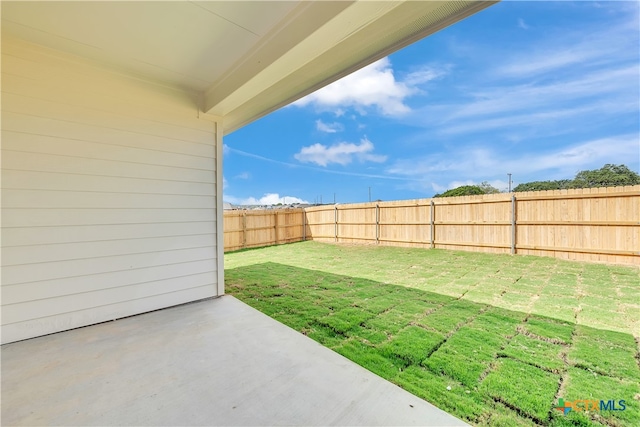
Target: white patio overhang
243	59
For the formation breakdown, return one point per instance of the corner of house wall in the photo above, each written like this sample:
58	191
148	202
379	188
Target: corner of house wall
219	130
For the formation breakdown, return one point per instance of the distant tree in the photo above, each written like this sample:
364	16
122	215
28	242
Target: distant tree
465	190
488	188
609	175
544	185
470	190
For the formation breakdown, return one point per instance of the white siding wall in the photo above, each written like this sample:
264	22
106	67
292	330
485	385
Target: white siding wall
108	194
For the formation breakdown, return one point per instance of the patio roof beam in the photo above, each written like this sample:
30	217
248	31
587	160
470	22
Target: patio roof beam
301	23
359	35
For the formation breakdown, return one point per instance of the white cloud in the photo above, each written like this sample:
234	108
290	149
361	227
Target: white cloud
534	110
424	75
267	199
317	169
436	187
568	84
342	153
225	183
373	86
527	96
583	48
476	163
522	24
547	61
329	127
243	175
548	117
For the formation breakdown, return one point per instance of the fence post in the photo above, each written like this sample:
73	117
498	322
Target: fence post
304	225
377	224
336	222
277	226
513	224
244	229
433	225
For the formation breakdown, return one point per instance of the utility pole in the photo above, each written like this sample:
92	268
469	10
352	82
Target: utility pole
334	198
369	194
321	199
509	182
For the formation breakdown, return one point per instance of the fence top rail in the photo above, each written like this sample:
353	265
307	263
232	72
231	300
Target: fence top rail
353	207
320	209
607	191
263	212
440	202
387	204
577	196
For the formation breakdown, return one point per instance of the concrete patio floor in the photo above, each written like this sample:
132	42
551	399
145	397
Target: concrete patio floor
214	362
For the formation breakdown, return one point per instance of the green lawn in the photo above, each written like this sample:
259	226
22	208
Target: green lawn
493	339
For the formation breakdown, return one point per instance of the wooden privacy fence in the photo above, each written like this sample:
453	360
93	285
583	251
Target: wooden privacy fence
252	229
597	224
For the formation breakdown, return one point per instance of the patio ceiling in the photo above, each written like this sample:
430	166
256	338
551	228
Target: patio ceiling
242	59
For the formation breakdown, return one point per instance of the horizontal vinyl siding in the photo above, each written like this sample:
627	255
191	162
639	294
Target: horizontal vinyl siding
52	253
108	194
100	233
26	273
100	298
57	181
97	314
51	217
96	282
31	142
61	199
68	163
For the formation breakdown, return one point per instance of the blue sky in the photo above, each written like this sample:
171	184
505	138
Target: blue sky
538	89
